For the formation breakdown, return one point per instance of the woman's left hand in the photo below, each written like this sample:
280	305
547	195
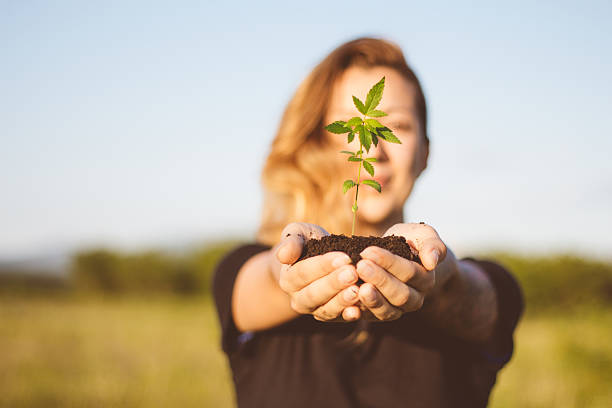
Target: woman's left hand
394	285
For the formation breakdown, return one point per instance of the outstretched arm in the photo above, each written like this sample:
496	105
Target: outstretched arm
455	296
465	305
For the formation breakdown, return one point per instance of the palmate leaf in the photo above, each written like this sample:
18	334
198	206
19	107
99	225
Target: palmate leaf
350	137
373	123
338	127
359	105
376	113
374	138
365	137
354	159
371	159
347	185
373	184
354	121
368	167
373	126
375	95
386	134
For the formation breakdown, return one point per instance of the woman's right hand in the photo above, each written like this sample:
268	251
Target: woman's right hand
323	285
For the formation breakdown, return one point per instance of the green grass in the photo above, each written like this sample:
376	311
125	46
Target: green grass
560	361
163	351
158	352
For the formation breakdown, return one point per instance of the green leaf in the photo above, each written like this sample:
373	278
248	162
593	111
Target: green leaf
365	138
371	159
347	185
368	167
347	152
372	184
373	123
375	95
354	121
338	127
387	134
376	113
359	105
369	137
354	159
374	139
351	137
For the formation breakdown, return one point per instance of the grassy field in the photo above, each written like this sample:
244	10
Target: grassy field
163	351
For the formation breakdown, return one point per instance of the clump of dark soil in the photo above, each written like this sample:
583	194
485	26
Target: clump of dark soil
355	244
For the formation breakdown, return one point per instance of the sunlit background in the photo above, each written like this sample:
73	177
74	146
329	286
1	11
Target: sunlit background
133	134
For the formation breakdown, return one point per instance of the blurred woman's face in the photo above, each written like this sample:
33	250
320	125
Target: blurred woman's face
398	165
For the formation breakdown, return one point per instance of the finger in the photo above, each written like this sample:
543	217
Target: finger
323	290
406	271
396	292
292	240
290	249
426	241
335	307
377	304
351	313
305	272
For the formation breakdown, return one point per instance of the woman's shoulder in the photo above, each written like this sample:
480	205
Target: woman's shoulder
232	261
243	250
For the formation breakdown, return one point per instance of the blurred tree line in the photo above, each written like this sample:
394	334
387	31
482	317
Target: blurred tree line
147	272
553	282
560	282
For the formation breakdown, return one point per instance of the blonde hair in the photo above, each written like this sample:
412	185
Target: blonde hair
299	179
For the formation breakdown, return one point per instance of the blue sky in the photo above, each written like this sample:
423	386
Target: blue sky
136	124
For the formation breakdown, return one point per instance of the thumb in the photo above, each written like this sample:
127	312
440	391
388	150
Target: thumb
290	249
293	238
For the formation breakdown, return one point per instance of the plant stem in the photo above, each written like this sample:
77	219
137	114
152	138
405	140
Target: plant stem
357	190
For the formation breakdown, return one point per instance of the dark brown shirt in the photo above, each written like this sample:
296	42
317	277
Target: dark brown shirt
403	363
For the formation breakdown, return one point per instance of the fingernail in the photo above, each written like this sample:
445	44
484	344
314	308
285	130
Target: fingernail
351	314
347	276
370	296
341	260
350	294
280	249
436	256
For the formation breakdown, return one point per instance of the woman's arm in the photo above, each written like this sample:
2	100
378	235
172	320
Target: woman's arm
456	296
465	303
258	302
271	288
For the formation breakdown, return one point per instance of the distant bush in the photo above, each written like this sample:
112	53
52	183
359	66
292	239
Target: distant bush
560	282
18	282
152	271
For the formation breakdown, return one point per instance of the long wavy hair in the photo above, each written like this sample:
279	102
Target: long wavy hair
299	179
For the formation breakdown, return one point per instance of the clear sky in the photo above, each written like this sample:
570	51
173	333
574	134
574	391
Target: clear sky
140	123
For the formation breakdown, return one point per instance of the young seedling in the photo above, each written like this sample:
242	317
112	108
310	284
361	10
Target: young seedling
370	132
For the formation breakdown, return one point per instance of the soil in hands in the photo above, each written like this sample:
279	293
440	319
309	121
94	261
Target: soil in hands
355	244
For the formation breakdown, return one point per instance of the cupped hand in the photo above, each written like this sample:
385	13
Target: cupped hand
394	285
323	285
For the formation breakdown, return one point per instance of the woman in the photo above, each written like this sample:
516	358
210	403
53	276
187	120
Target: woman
430	335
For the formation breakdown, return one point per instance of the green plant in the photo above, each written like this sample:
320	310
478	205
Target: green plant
370	131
